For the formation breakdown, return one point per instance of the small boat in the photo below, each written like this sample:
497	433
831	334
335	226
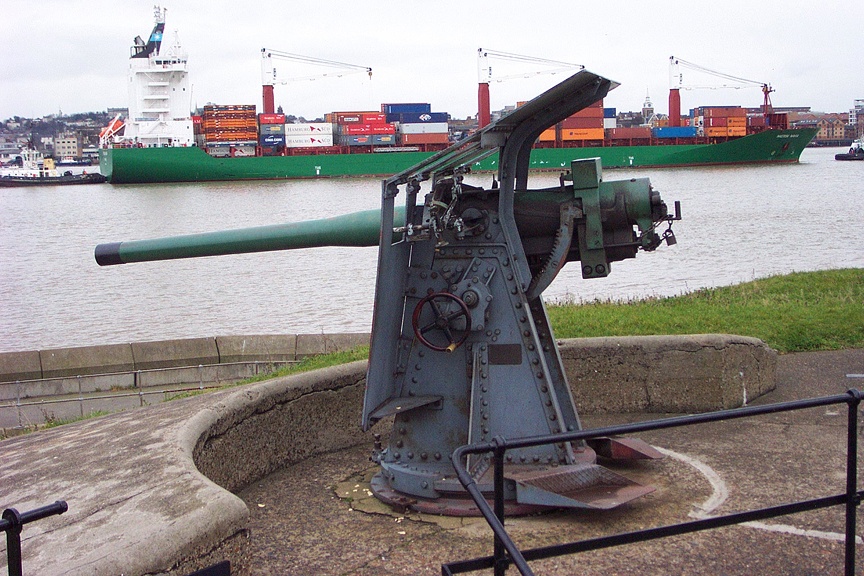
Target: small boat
856	152
38	171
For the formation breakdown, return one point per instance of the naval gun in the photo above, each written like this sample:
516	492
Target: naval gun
461	348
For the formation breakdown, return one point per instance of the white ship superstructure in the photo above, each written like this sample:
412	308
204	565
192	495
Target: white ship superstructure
159	94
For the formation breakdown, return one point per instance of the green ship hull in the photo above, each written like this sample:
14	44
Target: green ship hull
160	165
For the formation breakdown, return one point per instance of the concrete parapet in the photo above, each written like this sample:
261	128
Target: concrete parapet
312	344
20	366
171	353
692	373
84	360
263	348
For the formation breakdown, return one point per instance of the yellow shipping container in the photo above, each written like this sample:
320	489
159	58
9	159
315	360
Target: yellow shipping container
736	122
737	131
582	134
548	135
711	131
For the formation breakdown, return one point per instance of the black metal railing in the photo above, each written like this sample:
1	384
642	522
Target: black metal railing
506	553
13	522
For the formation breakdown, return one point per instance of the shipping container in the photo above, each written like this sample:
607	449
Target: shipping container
406	108
629	133
355	140
722	111
271	118
715	121
736	122
383	139
577	122
418	117
547	135
320	128
609	123
435	138
357	117
716	132
272	140
736	131
674	132
308	141
353	129
610	112
582	134
757	121
272	129
429	128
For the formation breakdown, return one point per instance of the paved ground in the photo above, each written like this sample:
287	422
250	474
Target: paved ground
317	518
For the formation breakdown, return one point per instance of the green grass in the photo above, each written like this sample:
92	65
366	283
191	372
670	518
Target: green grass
314	363
791	313
52	422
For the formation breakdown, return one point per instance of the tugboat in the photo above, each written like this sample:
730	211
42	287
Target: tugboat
38	171
856	152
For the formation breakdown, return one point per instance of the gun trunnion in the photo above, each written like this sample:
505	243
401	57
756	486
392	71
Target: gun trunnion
461	348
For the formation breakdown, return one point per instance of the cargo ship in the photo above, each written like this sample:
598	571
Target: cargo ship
163	143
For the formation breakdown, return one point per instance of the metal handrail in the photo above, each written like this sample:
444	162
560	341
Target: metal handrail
13	522
507	553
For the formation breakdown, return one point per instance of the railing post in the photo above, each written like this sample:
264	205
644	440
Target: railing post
851	479
13	541
501	562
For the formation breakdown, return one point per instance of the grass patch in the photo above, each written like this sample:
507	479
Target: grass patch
53	422
791	313
314	363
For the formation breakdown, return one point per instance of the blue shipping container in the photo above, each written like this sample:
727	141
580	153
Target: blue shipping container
418	117
674	132
272	139
610	112
347	140
410	108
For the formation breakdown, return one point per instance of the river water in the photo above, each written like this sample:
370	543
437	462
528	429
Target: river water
740	223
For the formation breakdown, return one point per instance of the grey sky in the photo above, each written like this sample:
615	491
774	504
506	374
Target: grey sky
72	56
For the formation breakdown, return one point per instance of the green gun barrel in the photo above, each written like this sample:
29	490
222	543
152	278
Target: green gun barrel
356	229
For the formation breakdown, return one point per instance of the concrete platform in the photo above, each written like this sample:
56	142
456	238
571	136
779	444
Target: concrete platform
149	491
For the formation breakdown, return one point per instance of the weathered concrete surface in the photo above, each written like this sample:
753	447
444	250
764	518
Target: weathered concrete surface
20	366
86	360
693	373
168	353
263	348
137	502
312	344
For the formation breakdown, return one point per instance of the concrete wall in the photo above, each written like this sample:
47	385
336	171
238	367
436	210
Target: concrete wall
113	358
692	373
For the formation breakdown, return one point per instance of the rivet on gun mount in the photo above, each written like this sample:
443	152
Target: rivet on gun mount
461	348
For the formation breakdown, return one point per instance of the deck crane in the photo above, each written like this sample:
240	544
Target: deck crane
268	72
676	83
484	76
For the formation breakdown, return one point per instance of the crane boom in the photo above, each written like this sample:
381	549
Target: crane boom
676	83
484	75
268	71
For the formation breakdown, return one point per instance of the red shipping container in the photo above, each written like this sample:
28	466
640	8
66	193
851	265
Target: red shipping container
271	118
383	128
355	129
353	117
715	122
373	118
628	133
433	138
756	121
576	122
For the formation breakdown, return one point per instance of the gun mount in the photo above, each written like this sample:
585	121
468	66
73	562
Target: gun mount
461	348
